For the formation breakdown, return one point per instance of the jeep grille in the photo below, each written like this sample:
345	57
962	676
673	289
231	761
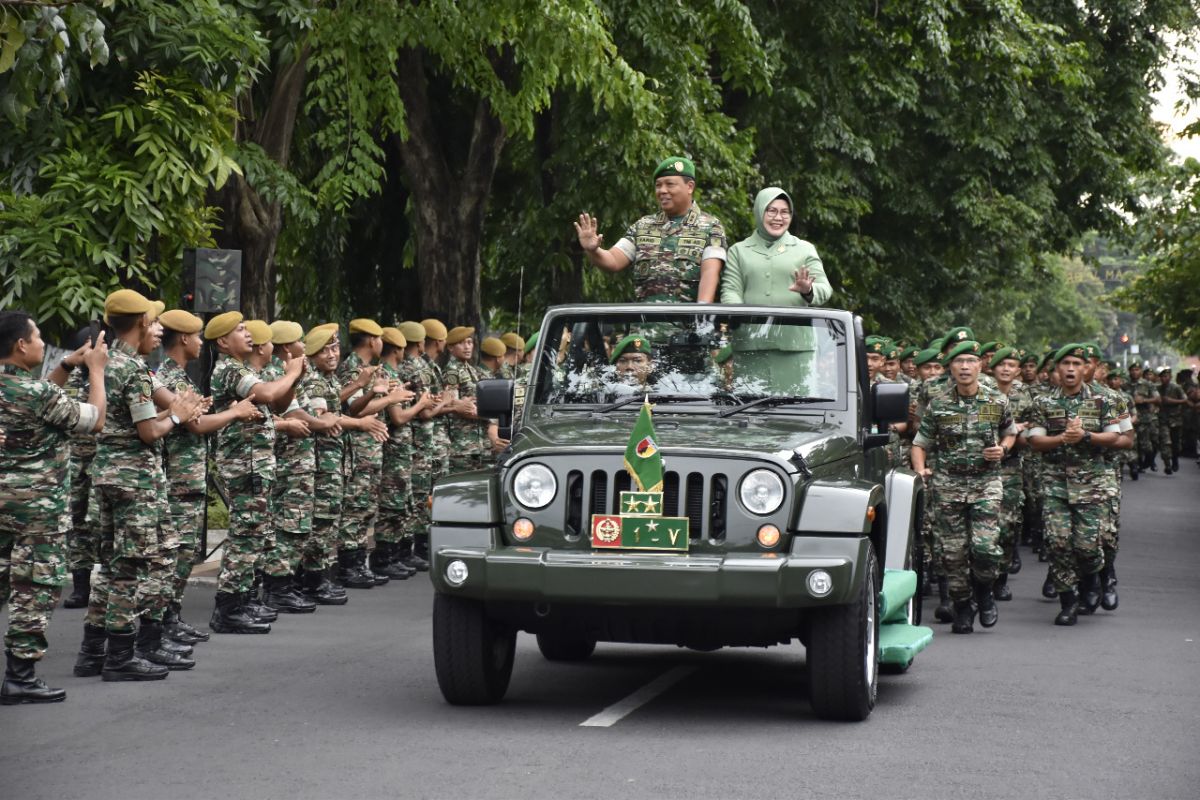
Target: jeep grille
703	501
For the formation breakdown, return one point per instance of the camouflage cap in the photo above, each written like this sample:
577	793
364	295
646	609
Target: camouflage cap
181	321
1074	350
285	331
513	341
531	342
963	348
956	336
925	356
260	332
493	347
675	165
633	343
434	329
319	337
368	326
1003	353
222	324
127	301
413	331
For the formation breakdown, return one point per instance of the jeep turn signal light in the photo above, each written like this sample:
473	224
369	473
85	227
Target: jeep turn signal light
523	529
871	514
768	536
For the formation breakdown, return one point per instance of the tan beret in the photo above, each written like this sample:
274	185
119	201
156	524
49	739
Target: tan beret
513	341
368	326
127	301
458	334
493	347
394	337
318	337
434	329
157	307
222	324
260	332
181	321
285	331
413	331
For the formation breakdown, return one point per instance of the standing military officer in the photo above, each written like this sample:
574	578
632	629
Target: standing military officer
36	418
677	253
437	446
492	363
972	430
1145	403
468	432
514	349
1170	419
1071	426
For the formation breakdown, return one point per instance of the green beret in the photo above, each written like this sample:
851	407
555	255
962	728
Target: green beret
954	336
909	352
879	344
723	354
990	347
1029	357
925	356
892	352
1003	353
222	324
968	347
676	165
1093	350
633	343
1046	359
1073	350
1108	362
531	342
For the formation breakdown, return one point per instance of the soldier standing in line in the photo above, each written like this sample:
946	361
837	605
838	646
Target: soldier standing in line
492	363
468	432
1072	426
1005	366
514	349
972	430
1031	515
1170	419
81	541
438	449
676	254
1145	403
413	372
36	418
245	459
130	494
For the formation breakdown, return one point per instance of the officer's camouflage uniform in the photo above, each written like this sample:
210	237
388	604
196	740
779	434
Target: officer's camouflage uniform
127	474
245	459
439	452
81	541
185	464
395	491
666	254
1147	424
1012	479
1031	477
295	483
37	417
468	437
1110	530
322	391
362	465
1077	481
425	455
1170	422
969	488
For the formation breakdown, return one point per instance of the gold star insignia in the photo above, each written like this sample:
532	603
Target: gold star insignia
632	505
650	507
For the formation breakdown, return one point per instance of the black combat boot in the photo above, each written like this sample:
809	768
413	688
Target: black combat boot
349	574
1150	462
172	646
1048	590
1000	590
1175	463
964	617
91	653
230	617
81	587
1091	593
252	601
330	574
22	686
1014	566
282	596
1108	576
121	664
384	561
149	647
943	612
1134	470
411	559
317	588
421	545
360	561
176	630
986	601
1070	609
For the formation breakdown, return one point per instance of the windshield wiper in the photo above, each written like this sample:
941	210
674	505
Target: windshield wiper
775	400
661	398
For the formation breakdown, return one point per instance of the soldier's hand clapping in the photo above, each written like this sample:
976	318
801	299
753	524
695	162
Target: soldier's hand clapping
400	394
293	428
365	377
244	410
377	428
186	405
1074	431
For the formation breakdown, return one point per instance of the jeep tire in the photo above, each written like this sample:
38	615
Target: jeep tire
472	654
565	647
843	654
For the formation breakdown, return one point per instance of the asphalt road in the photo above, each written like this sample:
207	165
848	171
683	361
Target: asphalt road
344	704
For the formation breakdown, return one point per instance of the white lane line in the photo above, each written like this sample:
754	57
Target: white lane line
623	708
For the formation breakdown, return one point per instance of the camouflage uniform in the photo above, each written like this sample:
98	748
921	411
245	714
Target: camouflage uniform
1147	424
185	464
1012	478
362	465
1110	529
82	541
395	489
323	393
426	457
468	437
666	254
1076	483
294	486
245	459
127	474
37	417
1170	422
1031	478
969	488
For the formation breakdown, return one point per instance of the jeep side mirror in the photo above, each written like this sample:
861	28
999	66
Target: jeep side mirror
494	400
889	403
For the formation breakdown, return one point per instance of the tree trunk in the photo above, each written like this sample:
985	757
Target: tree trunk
450	204
251	224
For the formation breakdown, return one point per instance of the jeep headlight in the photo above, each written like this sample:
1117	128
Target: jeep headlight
761	491
534	486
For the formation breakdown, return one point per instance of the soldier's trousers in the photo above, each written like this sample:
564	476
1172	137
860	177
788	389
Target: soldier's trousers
1147	434
1170	440
158	589
1110	532
129	538
395	497
968	527
1031	482
187	518
421	483
319	548
360	504
33	569
250	533
1012	504
292	519
82	541
1073	539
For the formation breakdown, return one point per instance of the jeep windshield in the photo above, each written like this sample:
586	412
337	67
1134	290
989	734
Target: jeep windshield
693	362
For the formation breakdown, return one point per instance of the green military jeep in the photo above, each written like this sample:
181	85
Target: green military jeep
776	514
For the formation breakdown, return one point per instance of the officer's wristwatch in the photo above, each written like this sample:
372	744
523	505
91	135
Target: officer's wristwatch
175	419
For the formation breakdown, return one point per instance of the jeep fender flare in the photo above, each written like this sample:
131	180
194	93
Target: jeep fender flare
467	498
904	492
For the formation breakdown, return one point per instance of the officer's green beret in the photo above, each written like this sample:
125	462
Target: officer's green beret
319	337
127	301
222	324
967	347
676	165
368	326
181	321
909	352
1001	354
1073	350
633	343
956	336
513	341
1108	362
892	352
723	354
878	344
260	332
1029	357
925	356
395	337
532	341
285	331
990	347
413	331
434	329
493	347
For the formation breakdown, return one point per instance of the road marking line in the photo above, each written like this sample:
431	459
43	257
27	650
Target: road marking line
623	708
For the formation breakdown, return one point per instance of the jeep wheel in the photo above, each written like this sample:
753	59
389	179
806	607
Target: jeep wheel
472	654
843	654
564	647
